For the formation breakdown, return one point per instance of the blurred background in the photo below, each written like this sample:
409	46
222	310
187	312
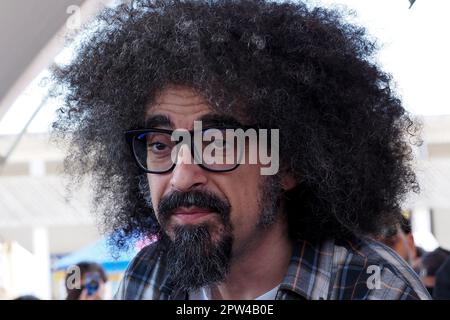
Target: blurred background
43	232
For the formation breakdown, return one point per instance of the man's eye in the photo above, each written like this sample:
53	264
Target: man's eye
158	147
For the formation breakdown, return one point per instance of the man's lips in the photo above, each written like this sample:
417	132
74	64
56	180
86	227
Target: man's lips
191	214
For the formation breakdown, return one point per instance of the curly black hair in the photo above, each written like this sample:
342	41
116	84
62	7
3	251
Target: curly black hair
344	134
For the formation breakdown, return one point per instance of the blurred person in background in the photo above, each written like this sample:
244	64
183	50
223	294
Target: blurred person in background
400	238
27	297
87	283
442	285
431	262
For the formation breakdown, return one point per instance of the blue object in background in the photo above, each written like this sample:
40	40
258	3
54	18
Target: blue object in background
97	252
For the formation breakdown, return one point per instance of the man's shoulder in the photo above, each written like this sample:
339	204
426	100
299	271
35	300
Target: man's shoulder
146	276
364	268
144	261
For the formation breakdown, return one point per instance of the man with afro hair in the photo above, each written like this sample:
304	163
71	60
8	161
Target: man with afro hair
151	71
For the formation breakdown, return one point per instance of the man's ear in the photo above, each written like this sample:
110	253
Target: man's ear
288	182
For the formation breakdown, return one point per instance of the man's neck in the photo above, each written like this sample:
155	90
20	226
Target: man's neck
260	267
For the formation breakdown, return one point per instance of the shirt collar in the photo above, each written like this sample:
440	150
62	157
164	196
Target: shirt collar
308	274
309	271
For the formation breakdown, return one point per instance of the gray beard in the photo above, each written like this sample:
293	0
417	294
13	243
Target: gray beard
194	260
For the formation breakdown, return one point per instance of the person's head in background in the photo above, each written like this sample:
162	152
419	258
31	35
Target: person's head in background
400	238
86	281
27	297
431	262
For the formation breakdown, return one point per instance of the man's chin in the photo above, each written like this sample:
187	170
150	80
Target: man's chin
195	259
214	227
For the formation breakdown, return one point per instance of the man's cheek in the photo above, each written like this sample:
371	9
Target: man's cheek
158	186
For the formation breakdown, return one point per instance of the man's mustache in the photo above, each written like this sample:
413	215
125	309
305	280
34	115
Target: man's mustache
201	199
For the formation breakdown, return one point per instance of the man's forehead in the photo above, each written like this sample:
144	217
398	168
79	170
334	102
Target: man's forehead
178	107
211	119
178	99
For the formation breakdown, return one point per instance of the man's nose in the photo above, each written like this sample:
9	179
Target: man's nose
187	175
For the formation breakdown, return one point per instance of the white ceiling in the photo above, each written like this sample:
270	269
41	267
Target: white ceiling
26	27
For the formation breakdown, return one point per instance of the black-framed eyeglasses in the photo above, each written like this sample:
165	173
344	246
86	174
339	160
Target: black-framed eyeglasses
156	150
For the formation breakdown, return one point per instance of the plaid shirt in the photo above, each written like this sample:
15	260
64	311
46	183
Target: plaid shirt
357	269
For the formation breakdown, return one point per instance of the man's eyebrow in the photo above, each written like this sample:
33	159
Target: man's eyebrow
158	120
218	120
